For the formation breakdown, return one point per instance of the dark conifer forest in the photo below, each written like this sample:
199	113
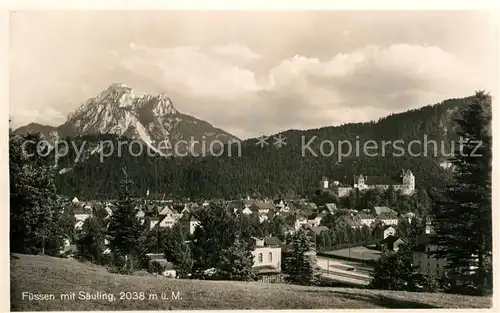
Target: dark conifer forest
289	171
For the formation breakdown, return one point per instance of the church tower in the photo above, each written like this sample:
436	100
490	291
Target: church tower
324	183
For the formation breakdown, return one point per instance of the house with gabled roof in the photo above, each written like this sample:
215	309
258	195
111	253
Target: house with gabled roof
81	212
169	216
284	209
267	255
331	207
310	206
366	218
166	210
167	221
280	205
315	220
150	208
235	205
351	221
388	218
300	221
153	222
262	208
392	243
186	209
248	202
383	209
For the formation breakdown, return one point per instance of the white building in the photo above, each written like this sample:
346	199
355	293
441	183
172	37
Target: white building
246	211
81	215
193	223
324	183
267	253
406	185
300	221
153	222
170	217
366	219
389	230
425	262
388	219
342	191
316	221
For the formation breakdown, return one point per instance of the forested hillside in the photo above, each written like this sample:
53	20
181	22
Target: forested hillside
289	171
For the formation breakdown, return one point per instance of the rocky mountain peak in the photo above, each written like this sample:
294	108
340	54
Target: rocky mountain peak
120	110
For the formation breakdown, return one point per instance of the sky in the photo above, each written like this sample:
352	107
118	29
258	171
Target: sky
251	73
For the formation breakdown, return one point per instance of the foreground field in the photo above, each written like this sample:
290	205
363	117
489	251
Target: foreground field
53	277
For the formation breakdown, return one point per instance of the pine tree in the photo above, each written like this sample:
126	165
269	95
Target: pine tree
394	271
300	264
236	262
463	217
35	208
277	227
178	251
423	202
91	241
125	230
216	232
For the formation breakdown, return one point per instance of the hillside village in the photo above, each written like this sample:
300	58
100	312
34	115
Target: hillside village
377	227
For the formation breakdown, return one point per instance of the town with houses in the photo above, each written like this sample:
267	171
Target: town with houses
298	214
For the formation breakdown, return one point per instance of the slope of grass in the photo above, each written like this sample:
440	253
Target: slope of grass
41	274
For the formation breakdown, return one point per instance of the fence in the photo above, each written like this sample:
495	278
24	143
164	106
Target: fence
273	278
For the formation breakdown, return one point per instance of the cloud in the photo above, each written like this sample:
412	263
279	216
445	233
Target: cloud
47	115
361	85
238	51
190	69
386	78
220	84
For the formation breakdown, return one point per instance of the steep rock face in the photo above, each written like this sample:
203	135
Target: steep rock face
121	111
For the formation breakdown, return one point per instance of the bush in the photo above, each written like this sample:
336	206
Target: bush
155	268
425	283
121	266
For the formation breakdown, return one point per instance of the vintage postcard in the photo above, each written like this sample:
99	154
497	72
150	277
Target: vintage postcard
231	160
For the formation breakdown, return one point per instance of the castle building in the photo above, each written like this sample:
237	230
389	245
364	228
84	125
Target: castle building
407	185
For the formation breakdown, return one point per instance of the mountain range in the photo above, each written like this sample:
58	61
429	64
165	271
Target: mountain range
266	170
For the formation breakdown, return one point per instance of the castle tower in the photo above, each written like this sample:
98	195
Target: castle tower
408	182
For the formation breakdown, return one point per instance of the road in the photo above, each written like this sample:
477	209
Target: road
337	270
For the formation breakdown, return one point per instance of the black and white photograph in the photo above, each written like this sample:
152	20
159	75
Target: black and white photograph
250	159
